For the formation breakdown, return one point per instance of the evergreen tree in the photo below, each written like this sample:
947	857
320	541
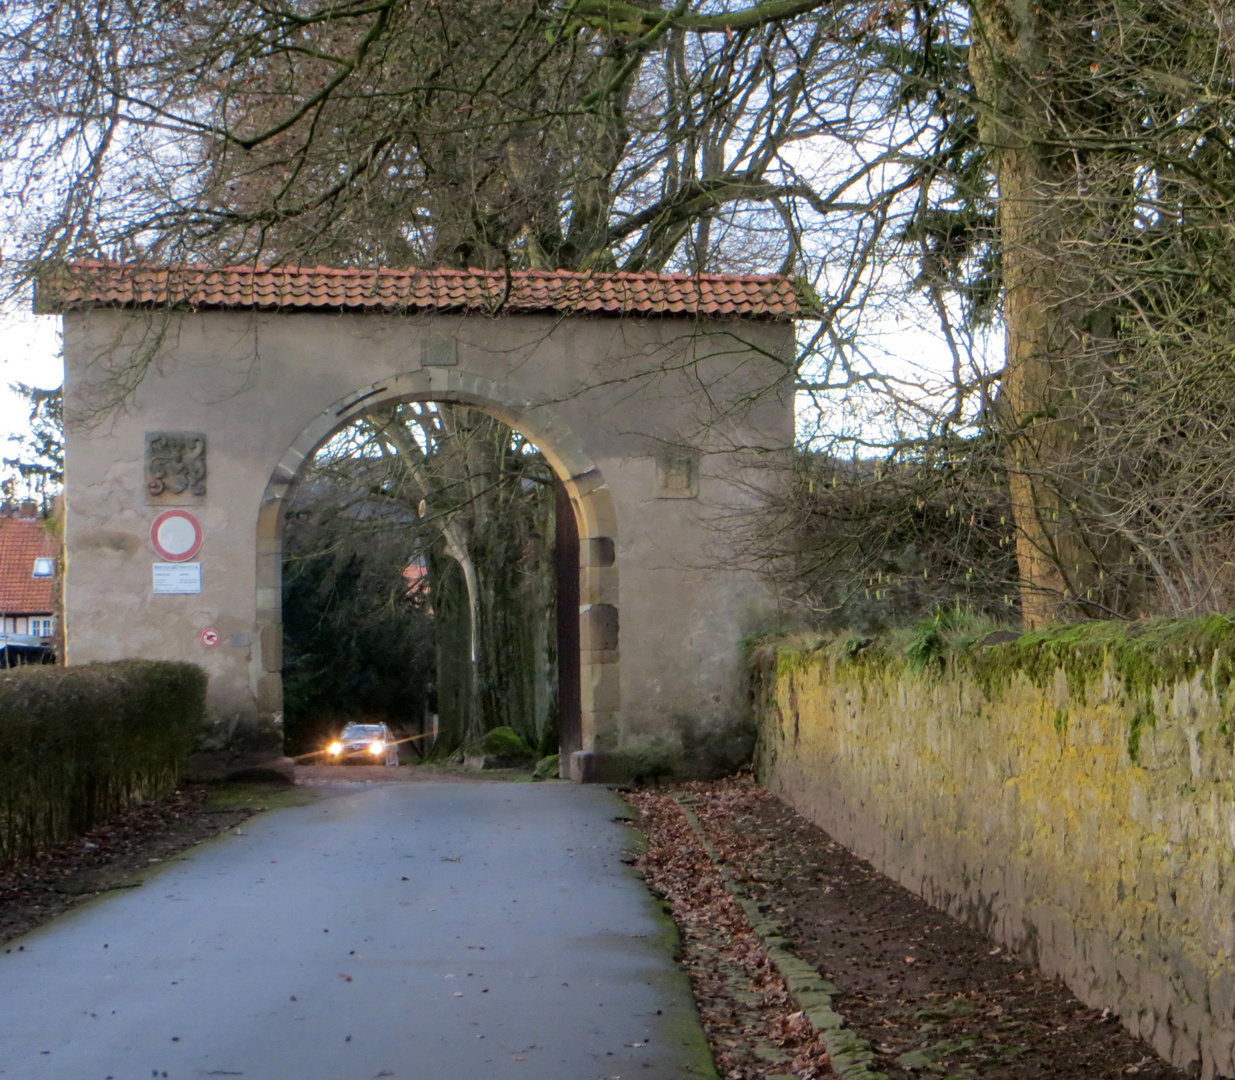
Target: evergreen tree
37	471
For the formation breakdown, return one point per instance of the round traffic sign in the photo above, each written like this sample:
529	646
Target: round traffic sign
176	535
210	638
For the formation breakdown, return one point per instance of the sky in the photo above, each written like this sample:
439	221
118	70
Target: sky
29	353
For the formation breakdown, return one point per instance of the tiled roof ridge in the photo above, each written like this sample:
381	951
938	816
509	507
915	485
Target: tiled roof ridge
416	271
97	282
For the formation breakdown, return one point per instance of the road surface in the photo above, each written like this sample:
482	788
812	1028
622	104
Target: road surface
401	930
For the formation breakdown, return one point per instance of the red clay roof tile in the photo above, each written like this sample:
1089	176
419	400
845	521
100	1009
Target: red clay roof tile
22	540
112	284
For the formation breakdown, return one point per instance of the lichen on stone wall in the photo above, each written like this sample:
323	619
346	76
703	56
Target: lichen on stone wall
1139	656
1071	791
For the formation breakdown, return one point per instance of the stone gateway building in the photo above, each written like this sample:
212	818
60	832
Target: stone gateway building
193	397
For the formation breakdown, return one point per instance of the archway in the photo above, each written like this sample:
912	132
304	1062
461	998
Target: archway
654	397
590	536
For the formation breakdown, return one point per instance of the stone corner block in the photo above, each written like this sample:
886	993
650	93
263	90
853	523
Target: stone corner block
592	767
270	694
810	1000
824	1019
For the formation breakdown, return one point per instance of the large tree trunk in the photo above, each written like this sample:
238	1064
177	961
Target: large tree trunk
1039	325
1045	304
456	675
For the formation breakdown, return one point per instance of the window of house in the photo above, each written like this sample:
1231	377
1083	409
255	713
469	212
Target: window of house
40	627
44	567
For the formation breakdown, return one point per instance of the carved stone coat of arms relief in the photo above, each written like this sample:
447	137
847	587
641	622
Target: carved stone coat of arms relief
175	467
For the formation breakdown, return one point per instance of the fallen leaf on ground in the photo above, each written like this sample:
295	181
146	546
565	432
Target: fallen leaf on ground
743	1002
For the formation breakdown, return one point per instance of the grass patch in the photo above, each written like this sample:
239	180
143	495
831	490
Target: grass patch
231	796
1141	655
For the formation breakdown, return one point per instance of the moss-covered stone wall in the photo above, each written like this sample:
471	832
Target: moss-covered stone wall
1071	792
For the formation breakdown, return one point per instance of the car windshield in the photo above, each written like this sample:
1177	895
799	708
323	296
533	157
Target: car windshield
362	731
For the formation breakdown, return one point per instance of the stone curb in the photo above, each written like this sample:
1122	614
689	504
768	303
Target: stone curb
851	1055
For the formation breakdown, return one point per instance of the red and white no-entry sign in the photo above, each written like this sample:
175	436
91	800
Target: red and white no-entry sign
176	535
210	638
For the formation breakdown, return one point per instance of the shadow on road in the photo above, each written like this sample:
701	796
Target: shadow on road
449	774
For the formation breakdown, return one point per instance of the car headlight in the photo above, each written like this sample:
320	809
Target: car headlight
377	747
334	748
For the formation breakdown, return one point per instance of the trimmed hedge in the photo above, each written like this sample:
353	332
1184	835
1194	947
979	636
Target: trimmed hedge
79	744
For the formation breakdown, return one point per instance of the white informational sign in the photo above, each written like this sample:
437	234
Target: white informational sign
185	577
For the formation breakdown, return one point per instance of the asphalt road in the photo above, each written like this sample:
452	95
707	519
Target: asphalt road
469	930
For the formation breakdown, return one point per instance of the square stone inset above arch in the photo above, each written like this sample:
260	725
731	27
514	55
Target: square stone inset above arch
439	352
175	467
677	474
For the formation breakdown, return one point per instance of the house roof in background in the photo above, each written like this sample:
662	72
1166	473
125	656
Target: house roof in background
322	288
22	540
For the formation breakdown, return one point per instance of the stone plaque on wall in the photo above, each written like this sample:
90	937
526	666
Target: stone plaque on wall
677	474
439	352
175	467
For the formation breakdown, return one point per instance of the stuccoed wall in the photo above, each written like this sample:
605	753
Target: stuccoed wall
615	404
1071	793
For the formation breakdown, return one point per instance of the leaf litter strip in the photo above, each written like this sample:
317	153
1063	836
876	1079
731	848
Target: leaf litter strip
933	992
754	1027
